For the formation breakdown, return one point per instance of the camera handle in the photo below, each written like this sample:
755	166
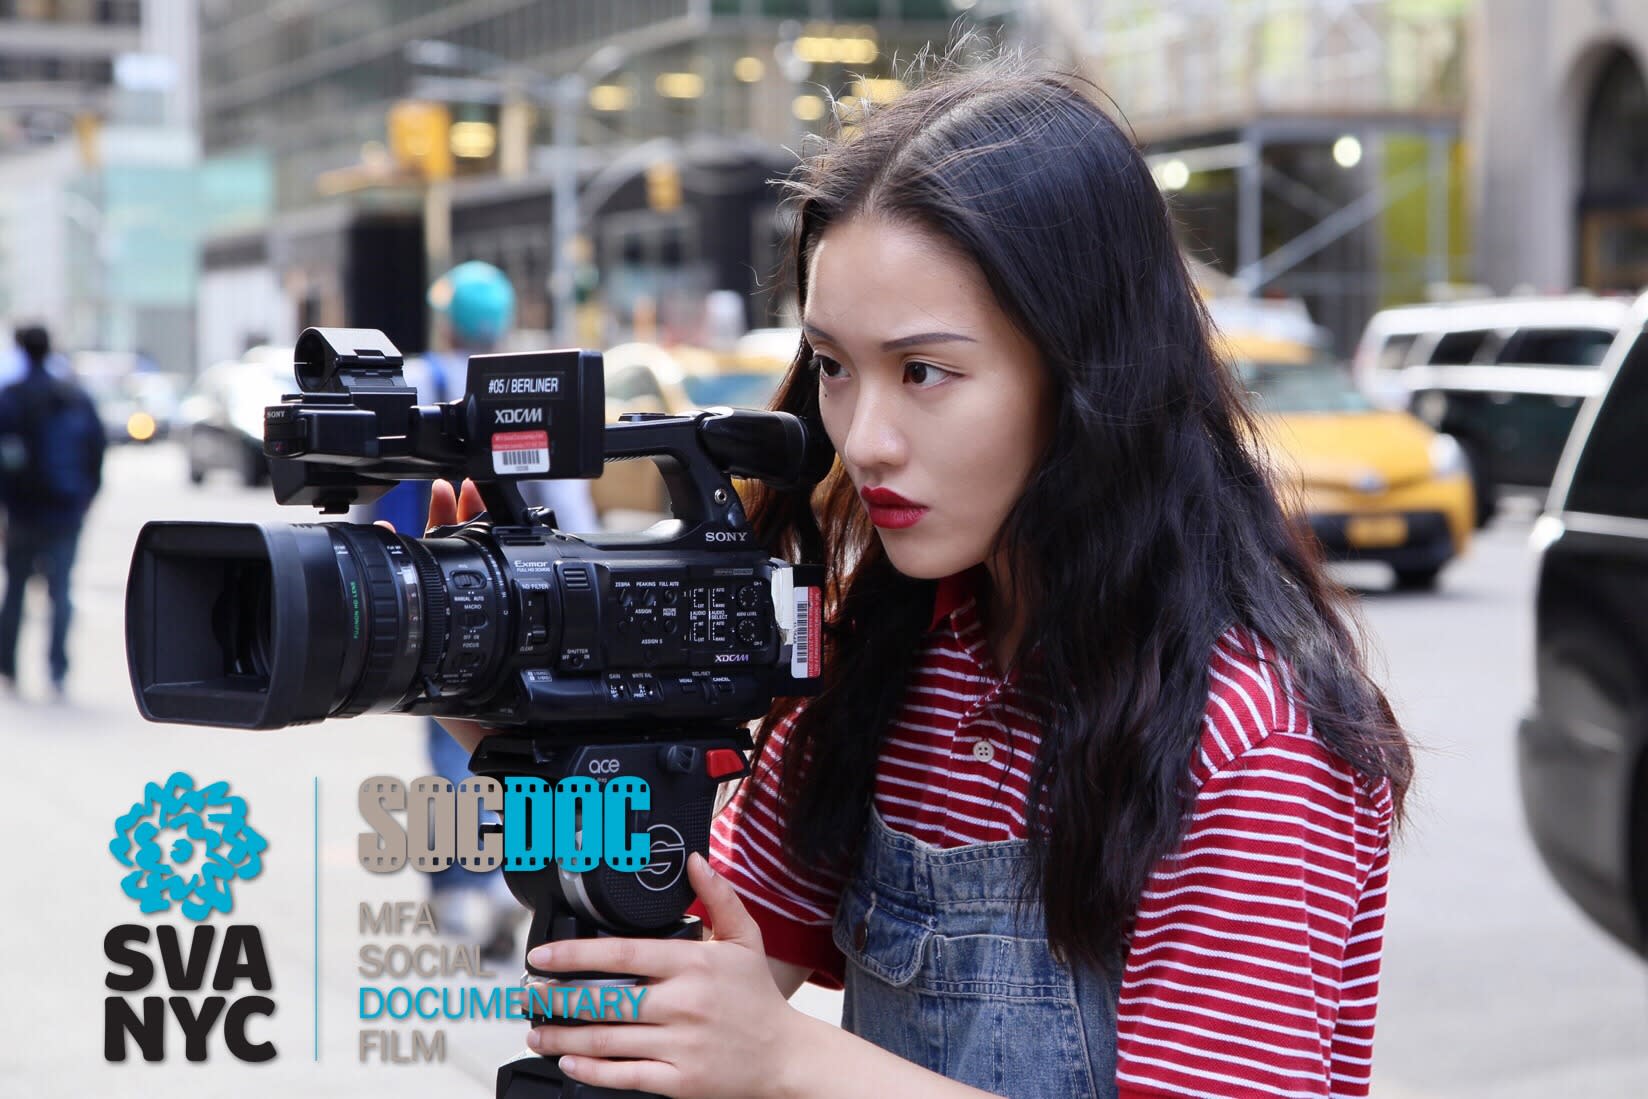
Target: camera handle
699	491
683	766
530	1075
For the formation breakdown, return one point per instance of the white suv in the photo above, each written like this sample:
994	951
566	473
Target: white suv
1504	376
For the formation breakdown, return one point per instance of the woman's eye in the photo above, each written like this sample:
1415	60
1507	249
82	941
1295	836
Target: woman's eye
826	366
924	374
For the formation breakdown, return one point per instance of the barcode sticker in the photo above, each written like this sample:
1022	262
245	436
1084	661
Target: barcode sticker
805	658
520	452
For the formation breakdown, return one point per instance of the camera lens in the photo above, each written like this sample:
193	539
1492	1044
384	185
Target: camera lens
267	625
242	620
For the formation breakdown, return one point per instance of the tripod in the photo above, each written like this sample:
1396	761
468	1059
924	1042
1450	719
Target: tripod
683	766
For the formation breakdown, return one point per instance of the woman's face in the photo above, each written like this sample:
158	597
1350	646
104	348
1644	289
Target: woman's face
938	407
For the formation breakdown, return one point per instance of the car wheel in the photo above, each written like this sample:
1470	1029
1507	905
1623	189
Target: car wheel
1417	579
1484	491
197	472
1639	855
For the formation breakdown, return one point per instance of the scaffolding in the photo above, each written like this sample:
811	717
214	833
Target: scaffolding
1220	86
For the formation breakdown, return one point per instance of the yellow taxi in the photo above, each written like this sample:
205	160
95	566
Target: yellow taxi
1371	484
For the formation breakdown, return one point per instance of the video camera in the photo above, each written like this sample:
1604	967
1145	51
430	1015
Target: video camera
639	655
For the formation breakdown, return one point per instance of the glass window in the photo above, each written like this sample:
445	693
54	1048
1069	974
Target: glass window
740	390
632	383
1394	353
1557	346
1295	387
1609	479
1458	348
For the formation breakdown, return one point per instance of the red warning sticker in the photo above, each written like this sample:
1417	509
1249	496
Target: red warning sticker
520	452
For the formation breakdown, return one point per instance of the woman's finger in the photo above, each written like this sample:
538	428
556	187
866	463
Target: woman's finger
639	957
601	1040
651	1076
469	503
723	906
443	504
656	1003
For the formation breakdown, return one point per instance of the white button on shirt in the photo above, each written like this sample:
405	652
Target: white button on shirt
983	751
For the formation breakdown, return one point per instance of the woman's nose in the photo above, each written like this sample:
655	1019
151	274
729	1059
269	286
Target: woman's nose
875	438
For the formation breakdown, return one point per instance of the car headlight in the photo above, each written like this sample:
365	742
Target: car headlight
1447	456
1431	407
1546	530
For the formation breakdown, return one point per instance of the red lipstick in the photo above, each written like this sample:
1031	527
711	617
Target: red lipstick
889	510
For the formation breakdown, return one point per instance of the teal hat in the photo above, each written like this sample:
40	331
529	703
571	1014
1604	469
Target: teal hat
478	302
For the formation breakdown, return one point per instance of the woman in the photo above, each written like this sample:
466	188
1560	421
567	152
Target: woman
1097	798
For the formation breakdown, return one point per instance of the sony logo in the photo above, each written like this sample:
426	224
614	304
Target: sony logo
517	416
727	536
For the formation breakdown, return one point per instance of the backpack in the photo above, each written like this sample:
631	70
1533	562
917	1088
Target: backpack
50	446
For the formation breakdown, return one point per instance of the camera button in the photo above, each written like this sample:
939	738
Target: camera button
722	762
677	759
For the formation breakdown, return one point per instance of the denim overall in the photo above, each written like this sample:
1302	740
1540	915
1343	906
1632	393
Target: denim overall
943	971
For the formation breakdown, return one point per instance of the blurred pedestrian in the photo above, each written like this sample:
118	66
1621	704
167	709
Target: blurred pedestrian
14	365
51	466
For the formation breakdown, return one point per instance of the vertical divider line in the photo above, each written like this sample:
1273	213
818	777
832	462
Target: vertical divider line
317	916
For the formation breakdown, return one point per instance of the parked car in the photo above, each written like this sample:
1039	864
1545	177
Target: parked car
1505	377
135	408
221	420
136	402
1582	748
644	377
1372	484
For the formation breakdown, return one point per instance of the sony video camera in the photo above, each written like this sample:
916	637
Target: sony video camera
601	655
503	619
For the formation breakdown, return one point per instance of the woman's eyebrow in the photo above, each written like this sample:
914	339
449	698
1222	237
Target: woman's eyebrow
899	344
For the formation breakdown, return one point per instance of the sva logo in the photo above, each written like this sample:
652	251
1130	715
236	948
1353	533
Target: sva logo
186	845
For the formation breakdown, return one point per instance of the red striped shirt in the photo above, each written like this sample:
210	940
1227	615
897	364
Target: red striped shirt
1253	967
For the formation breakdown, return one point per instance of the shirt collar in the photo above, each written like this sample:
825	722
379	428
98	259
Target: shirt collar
953	593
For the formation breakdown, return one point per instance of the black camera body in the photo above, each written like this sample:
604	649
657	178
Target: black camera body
629	657
503	619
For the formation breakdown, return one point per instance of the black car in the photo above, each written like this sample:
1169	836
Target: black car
1583	746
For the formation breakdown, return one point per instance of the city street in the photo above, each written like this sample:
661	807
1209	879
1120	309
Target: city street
1494	983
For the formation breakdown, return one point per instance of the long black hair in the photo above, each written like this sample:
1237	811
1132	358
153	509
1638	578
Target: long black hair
1148	529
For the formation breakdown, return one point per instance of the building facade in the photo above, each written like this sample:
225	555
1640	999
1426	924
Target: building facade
1310	149
1559	125
684	109
98	158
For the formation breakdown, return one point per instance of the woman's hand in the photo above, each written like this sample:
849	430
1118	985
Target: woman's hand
712	1023
446	508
